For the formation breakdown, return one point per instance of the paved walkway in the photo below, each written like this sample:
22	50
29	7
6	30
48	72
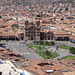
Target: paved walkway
61	52
28	53
7	70
66	43
21	48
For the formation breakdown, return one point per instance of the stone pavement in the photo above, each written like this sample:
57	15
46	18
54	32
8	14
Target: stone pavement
23	49
7	70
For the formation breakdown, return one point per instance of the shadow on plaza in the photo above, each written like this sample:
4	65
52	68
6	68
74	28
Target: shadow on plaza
4	46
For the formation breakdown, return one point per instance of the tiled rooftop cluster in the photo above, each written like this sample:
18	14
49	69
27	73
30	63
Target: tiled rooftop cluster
60	67
16	59
14	17
38	20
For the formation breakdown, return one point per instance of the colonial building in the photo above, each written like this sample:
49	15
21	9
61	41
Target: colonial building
32	30
36	31
46	35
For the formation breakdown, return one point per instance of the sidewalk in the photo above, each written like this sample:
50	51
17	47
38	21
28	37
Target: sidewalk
8	67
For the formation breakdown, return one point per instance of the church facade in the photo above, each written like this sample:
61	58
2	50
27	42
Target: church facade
32	31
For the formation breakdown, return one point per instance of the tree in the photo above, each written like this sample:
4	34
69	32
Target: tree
72	50
52	43
35	42
47	43
47	53
41	42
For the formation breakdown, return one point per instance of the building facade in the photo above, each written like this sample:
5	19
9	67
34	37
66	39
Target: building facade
32	31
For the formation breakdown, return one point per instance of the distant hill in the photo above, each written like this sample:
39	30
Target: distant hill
31	1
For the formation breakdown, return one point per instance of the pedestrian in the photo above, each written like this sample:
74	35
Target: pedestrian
10	73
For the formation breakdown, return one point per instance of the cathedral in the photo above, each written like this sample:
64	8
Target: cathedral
32	30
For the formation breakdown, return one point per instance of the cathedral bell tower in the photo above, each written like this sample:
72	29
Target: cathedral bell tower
38	23
26	23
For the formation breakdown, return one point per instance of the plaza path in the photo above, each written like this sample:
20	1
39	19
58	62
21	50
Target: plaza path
22	49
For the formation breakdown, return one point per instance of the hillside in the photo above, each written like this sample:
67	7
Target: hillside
18	2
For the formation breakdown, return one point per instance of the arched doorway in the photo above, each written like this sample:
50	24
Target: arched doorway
31	37
22	36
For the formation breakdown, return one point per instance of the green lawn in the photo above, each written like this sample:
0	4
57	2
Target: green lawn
37	47
64	46
68	57
42	53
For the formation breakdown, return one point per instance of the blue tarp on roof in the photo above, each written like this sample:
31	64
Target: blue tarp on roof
73	40
70	39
